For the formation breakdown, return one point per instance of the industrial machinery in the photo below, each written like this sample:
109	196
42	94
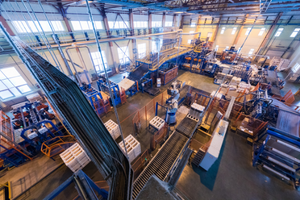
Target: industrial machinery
278	152
228	56
69	101
97	100
33	124
119	95
172	102
85	186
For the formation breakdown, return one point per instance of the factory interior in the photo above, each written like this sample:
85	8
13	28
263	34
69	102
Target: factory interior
151	99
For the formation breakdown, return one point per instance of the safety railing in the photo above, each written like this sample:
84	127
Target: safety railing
57	145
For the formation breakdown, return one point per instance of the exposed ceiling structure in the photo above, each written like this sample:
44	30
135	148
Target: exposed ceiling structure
211	7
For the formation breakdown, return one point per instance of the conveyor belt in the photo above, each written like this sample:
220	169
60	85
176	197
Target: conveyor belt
139	73
162	162
68	99
186	126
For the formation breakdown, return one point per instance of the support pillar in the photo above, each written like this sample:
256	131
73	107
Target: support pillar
63	12
198	27
181	22
6	26
106	26
150	30
134	48
214	36
175	20
163	21
237	37
268	35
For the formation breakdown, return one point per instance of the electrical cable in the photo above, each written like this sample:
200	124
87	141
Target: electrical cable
106	75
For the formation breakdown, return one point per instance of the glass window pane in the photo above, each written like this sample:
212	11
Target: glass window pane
76	25
15	91
6	94
45	25
84	25
24	26
2	76
2	86
7	83
98	25
10	72
17	81
24	88
57	25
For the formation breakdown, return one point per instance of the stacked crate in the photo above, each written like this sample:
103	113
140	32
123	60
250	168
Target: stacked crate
75	157
113	129
196	111
133	147
157	122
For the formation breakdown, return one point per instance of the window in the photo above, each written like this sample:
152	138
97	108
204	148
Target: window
296	68
154	46
279	31
168	23
233	31
98	61
250	52
295	32
156	24
222	30
193	24
140	24
123	54
142	50
85	25
189	41
23	27
118	24
248	31
261	32
217	47
12	83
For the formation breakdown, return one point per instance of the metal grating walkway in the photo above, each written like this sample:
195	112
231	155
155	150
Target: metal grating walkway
187	126
162	162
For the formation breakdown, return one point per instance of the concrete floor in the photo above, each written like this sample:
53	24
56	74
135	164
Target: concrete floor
232	177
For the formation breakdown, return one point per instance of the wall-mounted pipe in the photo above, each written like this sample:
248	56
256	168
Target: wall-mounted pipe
74	46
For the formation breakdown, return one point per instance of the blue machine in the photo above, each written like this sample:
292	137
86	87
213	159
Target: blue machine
85	187
103	86
278	152
39	133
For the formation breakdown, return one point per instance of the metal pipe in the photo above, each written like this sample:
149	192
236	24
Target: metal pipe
90	55
50	51
76	73
106	75
57	42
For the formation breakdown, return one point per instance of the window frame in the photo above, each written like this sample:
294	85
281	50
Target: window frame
262	31
17	91
223	30
98	61
295	32
233	30
248	31
297	66
278	32
125	56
